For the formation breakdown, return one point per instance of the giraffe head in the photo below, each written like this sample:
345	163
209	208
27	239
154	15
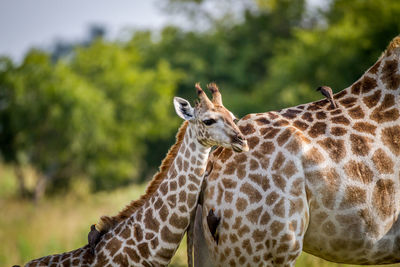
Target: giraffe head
214	124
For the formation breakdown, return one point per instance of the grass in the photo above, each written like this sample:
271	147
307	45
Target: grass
61	223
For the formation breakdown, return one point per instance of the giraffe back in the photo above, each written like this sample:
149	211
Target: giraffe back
323	177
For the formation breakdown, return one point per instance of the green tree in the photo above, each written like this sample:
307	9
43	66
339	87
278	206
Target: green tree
88	116
349	38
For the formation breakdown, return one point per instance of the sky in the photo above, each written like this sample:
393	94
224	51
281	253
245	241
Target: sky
39	23
27	23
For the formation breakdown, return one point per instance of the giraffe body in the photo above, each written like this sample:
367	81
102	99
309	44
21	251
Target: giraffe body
149	230
317	179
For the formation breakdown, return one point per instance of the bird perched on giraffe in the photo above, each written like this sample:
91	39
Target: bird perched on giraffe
327	92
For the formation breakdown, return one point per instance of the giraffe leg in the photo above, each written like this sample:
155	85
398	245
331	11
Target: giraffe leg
189	238
290	244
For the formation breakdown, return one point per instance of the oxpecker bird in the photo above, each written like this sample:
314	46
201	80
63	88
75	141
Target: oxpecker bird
327	92
213	222
93	238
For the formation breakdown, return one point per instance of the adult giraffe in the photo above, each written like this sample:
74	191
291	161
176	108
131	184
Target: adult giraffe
149	230
316	178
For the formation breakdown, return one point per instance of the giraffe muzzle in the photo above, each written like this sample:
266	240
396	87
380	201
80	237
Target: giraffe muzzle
240	145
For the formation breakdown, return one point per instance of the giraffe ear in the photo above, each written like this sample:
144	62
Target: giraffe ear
183	108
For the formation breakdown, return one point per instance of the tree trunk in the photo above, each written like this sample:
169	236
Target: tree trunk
19	174
40	188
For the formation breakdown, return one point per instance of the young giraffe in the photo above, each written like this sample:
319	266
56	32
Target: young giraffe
316	178
149	230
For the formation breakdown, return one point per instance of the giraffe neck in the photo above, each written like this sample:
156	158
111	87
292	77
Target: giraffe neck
153	232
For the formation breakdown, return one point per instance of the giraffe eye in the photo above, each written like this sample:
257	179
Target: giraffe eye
209	122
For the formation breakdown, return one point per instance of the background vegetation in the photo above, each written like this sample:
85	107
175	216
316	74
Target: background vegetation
84	126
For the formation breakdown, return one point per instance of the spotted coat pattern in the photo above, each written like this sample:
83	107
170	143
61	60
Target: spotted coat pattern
316	178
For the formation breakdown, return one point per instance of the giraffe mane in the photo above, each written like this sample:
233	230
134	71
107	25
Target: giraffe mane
107	222
395	43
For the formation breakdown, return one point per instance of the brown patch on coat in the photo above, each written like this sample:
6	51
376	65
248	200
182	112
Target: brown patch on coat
338	131
278	162
247	129
294	144
276	227
229	183
360	145
254	164
259	235
382	161
279	209
317	129
367	84
374	69
150	221
348	102
283	137
165	253
334	147
241	204
243	230
260	180
267	148
321	115
163	213
262	121
300	125
391	138
389	75
281	123
307	116
297	187
113	245
312	157
340	94
253	194
169	236
359	171
381	116
340	120
356	88
178	221
289	169
269	132
252	142
384	198
254	215
356	112
144	250
265	218
372	100
291	113
365	127
296	206
225	155
279	181
353	196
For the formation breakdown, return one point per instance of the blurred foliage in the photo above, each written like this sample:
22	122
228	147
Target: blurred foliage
89	115
101	109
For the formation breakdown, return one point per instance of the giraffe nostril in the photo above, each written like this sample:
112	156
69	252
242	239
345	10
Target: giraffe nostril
238	138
